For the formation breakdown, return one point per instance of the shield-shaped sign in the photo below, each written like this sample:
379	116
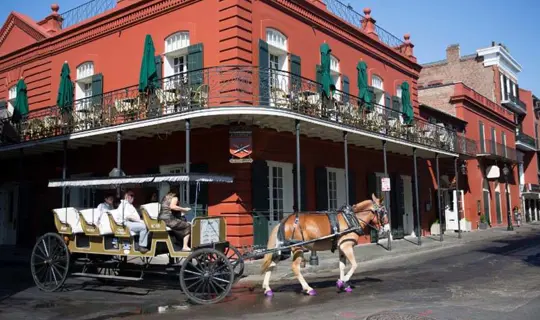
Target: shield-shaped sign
240	144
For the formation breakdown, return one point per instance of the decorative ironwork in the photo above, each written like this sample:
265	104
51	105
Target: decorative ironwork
347	13
498	149
526	139
466	146
232	86
86	11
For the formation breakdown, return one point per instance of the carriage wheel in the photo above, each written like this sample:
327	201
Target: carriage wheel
50	262
236	260
206	276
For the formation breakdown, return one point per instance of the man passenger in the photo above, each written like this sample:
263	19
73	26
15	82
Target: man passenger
103	207
126	212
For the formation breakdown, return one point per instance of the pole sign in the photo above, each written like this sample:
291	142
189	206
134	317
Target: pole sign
240	145
385	184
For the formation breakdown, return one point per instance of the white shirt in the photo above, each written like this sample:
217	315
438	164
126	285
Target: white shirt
126	212
102	210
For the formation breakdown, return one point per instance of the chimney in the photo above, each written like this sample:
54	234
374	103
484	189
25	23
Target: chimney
452	53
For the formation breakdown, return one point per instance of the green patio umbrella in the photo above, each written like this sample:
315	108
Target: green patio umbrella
326	78
361	67
64	99
408	113
20	108
148	77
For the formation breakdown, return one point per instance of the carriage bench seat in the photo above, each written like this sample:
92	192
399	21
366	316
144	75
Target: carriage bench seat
89	221
150	212
67	220
115	226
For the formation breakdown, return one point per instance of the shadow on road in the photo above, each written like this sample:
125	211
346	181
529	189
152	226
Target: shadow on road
522	248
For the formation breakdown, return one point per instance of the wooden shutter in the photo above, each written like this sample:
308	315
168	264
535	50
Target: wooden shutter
345	88
264	73
303	202
493	138
498	206
97	89
159	66
318	77
296	72
352	188
372	185
202	198
371	92
482	139
195	65
321	185
396	107
259	186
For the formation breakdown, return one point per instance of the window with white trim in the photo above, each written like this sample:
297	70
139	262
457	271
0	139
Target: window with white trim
335	178
83	85
165	187
175	62
279	60
280	185
335	73
332	190
378	84
12	95
398	91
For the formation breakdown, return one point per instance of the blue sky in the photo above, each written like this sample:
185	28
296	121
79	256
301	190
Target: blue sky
433	25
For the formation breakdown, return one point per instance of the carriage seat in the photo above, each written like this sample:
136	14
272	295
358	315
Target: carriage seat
70	217
115	217
90	216
152	211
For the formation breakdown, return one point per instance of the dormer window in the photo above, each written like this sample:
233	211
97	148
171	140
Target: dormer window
83	85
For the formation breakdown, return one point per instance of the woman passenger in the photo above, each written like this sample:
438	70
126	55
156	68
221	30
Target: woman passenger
179	225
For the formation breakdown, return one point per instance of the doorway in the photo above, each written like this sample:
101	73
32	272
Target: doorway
9	196
280	187
452	203
408	214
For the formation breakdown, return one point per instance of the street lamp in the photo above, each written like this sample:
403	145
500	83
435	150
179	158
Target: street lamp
506	173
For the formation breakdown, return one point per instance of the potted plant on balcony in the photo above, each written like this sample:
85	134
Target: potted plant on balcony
435	227
483	223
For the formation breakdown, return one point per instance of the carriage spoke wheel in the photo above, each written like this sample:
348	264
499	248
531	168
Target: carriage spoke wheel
206	276
236	260
50	262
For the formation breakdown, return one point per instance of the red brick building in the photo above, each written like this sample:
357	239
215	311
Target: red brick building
222	66
482	91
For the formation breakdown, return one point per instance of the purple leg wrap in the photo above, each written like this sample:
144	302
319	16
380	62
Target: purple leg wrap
348	289
312	292
339	284
269	293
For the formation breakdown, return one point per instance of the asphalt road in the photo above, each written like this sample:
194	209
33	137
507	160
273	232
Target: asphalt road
485	280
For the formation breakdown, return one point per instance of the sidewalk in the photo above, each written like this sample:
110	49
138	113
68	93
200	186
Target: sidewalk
328	261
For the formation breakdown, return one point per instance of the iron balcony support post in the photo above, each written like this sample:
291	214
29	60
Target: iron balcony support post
439	196
458	196
188	157
387	196
64	173
346	153
417	201
298	185
118	158
507	173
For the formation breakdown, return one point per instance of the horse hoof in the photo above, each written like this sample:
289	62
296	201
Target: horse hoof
312	292
269	293
348	289
339	284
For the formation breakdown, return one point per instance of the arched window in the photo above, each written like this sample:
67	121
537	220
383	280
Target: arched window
175	64
398	91
336	75
378	85
276	39
83	85
278	62
12	95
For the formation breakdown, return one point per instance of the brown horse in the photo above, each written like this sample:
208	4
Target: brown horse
313	226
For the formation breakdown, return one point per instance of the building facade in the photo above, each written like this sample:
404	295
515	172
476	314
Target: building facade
482	90
225	69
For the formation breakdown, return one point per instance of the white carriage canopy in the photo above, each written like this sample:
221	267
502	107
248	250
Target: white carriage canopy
138	180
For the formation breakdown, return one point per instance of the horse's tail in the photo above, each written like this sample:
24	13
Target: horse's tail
272	240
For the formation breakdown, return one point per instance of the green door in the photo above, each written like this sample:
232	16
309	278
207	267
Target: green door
486	207
498	206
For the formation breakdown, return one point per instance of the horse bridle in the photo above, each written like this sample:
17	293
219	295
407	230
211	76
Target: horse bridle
379	210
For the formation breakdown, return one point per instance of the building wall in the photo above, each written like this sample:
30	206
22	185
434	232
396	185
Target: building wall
438	97
467	69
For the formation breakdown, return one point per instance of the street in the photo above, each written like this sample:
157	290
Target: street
489	279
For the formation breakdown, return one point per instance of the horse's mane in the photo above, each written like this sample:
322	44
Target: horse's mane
363	205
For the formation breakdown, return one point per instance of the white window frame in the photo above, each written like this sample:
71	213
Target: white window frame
502	87
335	73
278	47
83	85
287	183
335	189
399	91
12	95
378	83
164	188
176	46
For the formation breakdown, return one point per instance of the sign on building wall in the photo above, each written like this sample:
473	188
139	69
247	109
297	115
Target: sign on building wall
385	184
240	145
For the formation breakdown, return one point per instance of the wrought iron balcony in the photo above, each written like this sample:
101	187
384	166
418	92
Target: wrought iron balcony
233	86
525	142
494	149
466	146
514	104
86	11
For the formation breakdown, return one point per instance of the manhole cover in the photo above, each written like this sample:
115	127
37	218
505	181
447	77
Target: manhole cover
397	316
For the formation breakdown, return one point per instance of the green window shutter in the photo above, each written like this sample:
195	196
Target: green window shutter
159	66
3	104
371	92
318	77
321	185
260	185
303	202
296	72
345	88
195	65
264	73
396	106
387	103
97	89
352	188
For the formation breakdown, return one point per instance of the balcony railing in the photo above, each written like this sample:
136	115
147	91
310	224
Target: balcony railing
233	86
466	146
515	104
86	11
497	149
347	13
526	140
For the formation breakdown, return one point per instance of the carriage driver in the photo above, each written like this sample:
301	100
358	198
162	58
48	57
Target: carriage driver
133	220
